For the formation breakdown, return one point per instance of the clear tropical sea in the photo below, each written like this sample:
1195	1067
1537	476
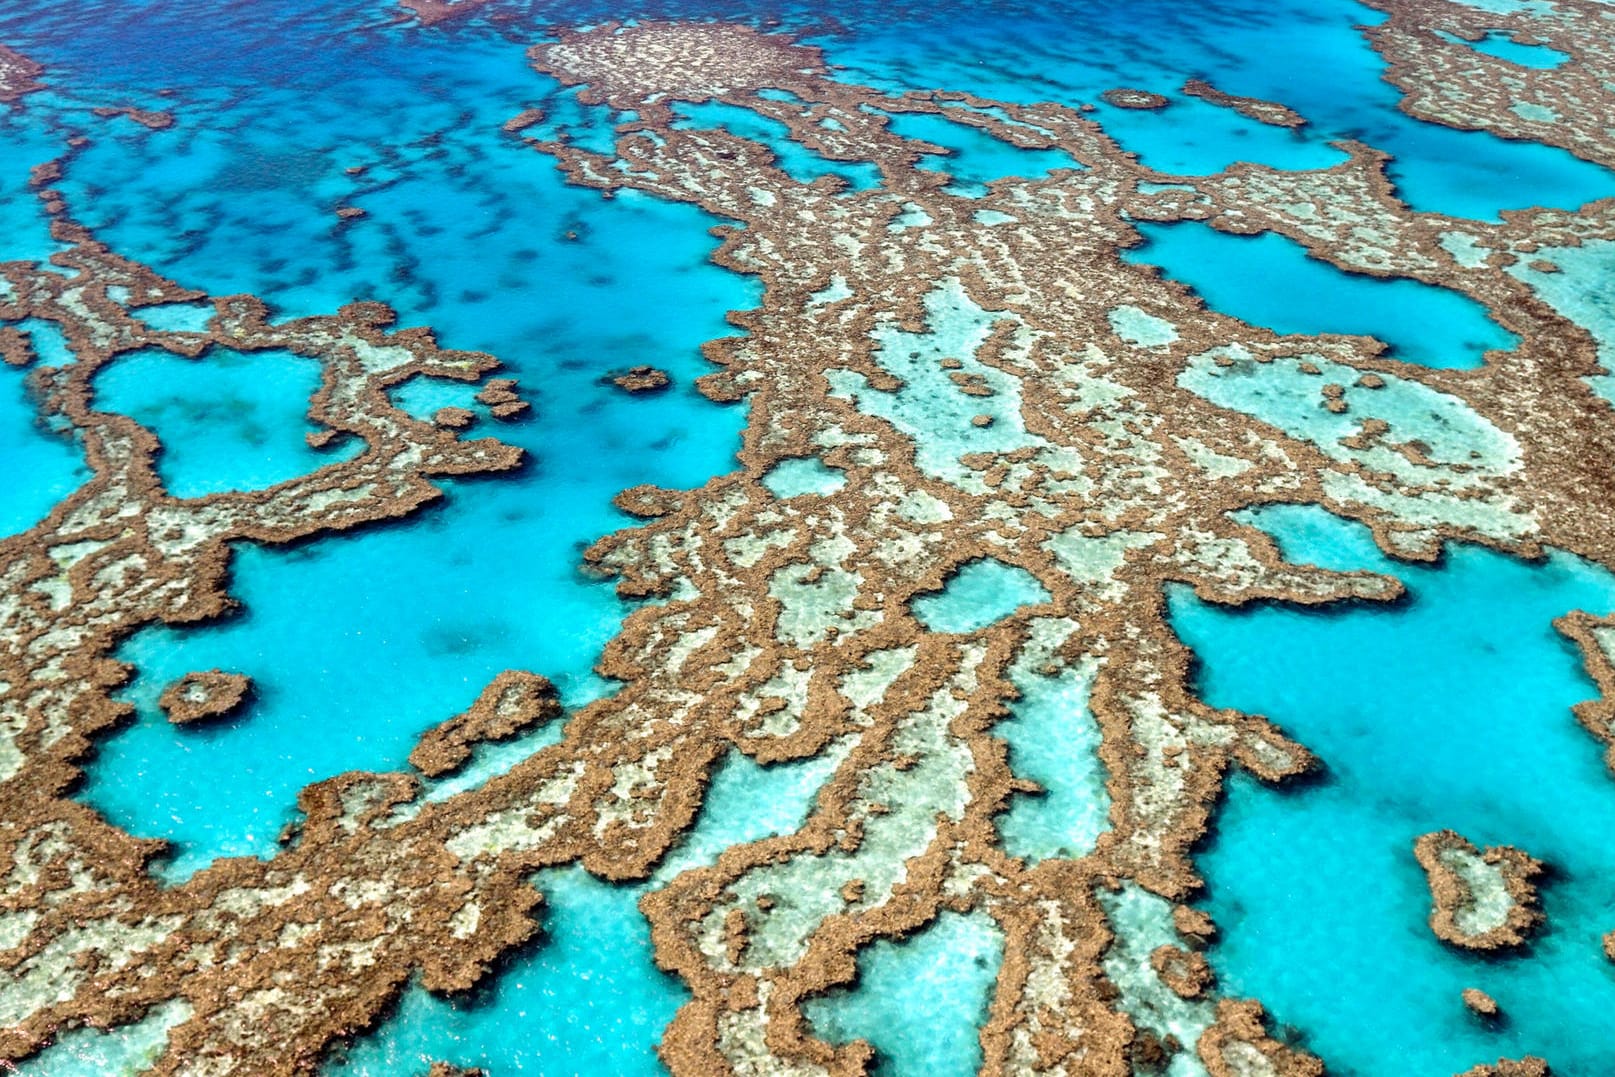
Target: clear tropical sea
1448	710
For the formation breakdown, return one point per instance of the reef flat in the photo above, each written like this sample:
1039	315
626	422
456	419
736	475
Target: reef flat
982	443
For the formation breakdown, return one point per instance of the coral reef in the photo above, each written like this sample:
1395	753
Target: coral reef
1251	108
1109	465
515	701
1483	899
18	75
204	696
1480	1003
641	379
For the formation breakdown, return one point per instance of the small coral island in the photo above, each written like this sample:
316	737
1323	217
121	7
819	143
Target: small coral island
1485	899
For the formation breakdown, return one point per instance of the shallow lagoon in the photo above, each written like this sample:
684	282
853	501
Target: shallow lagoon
587	997
1271	281
1053	740
1522	54
976	595
42	467
227	421
974	158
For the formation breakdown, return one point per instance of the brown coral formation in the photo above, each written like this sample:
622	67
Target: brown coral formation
1186	972
1252	108
522	121
1238	1044
629	67
205	696
642	379
152	120
432	12
513	702
444	1069
1483	899
1193	924
453	418
785	629
18	75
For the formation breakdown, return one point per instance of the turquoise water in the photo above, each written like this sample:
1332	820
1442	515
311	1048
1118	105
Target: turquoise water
1580	291
1053	740
1463	447
177	317
228	420
920	1001
583	998
358	644
49	343
1448	710
1142	922
977	594
1499	44
24	142
42	467
424	397
975	158
1270	280
128	1049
